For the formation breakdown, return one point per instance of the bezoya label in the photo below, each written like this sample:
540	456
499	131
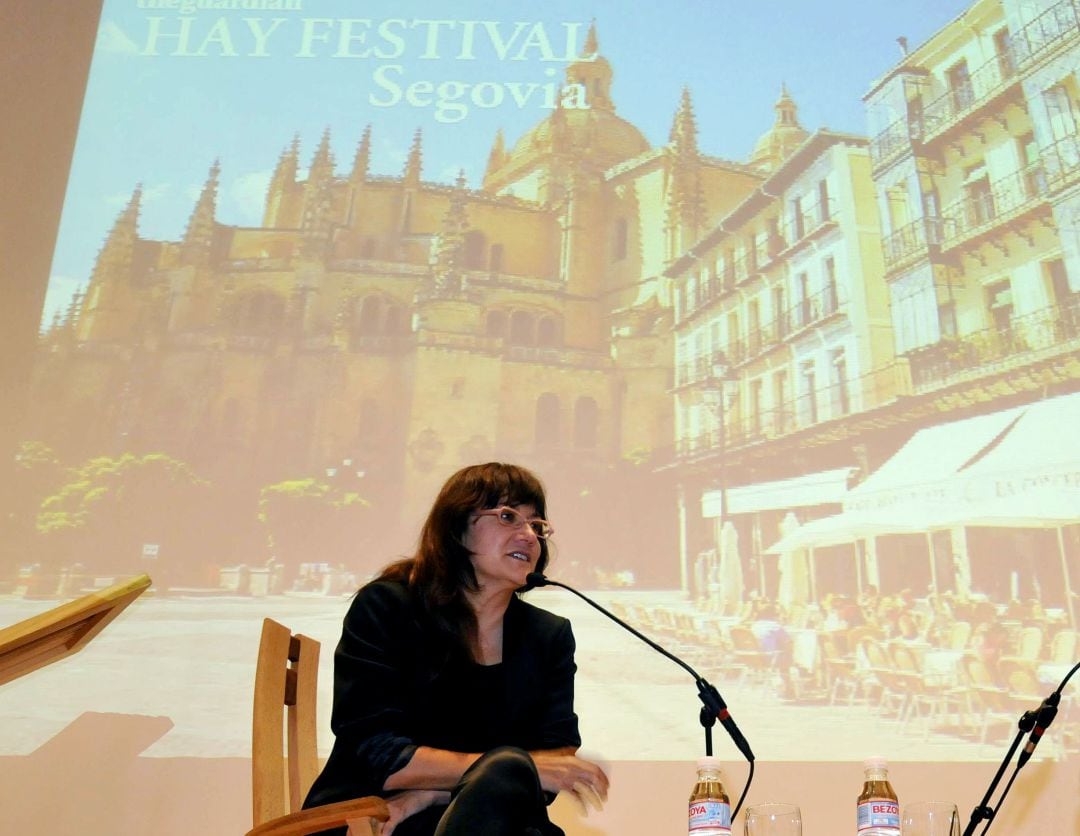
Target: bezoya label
710	817
881	815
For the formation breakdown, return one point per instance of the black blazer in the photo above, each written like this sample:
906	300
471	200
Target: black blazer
397	686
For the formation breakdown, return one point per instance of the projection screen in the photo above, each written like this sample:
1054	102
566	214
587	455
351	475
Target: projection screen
780	300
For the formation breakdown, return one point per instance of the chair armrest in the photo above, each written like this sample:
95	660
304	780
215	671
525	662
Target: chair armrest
325	817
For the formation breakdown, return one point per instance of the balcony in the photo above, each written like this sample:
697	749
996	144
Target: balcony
893	141
1042	37
1062	163
1001	201
912	242
980	89
1045	332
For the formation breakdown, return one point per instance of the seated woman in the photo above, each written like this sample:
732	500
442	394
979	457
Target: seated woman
453	698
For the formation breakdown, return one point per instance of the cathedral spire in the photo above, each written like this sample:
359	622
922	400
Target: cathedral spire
322	164
362	160
119	246
592	42
683	136
593	72
686	197
415	161
195	248
449	256
497	156
285	172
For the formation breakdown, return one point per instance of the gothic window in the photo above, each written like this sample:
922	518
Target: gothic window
586	415
547	420
367	322
522	329
259	315
547	332
475	248
395	322
496	324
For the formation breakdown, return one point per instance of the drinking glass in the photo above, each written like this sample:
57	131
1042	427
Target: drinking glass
772	818
929	818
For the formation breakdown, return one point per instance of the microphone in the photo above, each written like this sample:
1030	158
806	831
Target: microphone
1045	716
710	697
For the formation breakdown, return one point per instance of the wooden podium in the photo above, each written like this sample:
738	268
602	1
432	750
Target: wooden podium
63	630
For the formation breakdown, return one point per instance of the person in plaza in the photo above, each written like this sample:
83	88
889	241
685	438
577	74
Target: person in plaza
453	697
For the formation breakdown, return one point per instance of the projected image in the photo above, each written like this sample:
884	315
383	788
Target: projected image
800	396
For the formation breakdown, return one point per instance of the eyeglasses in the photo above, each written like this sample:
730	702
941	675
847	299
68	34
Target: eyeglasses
513	518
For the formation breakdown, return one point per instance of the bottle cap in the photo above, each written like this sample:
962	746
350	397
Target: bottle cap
709	762
875	762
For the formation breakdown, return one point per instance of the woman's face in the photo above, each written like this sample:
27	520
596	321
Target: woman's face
502	555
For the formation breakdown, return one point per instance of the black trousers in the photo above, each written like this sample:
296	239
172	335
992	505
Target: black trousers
499	795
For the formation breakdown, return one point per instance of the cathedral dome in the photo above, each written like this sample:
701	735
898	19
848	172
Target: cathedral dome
786	134
594	132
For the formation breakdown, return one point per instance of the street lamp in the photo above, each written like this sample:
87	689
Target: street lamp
721	373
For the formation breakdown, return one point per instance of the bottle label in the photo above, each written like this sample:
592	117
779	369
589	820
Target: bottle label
879	814
711	817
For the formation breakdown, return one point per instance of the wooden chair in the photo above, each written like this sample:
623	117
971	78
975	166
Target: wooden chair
63	630
284	752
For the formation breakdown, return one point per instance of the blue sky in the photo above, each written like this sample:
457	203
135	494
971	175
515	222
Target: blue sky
161	119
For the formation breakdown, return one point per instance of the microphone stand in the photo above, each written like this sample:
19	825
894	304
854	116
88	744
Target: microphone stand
713	706
1034	722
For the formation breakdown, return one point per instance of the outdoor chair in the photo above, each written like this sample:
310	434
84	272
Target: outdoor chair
284	752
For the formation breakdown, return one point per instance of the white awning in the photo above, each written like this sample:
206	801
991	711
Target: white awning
826	487
978	465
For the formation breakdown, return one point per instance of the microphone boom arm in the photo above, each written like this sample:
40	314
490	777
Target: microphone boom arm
713	703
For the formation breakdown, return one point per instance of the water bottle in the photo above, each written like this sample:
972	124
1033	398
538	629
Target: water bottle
710	812
878	810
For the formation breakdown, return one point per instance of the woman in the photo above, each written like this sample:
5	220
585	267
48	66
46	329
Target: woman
453	698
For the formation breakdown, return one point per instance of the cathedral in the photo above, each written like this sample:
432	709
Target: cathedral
396	328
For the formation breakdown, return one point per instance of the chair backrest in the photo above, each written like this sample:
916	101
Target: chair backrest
284	748
1029	643
1064	646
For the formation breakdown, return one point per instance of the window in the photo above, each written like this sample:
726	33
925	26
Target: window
808	411
803	303
947	319
823	201
797	227
832	297
496	324
841	398
495	261
1059	112
753	326
979	203
547	420
782	416
475	246
521	329
1034	175
1003	52
779	312
755	407
622	240
1000	304
960	91
547	332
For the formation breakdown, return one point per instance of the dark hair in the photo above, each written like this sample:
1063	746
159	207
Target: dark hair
441	571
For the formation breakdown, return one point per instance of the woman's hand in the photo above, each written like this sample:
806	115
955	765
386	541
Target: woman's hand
408	803
562	770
